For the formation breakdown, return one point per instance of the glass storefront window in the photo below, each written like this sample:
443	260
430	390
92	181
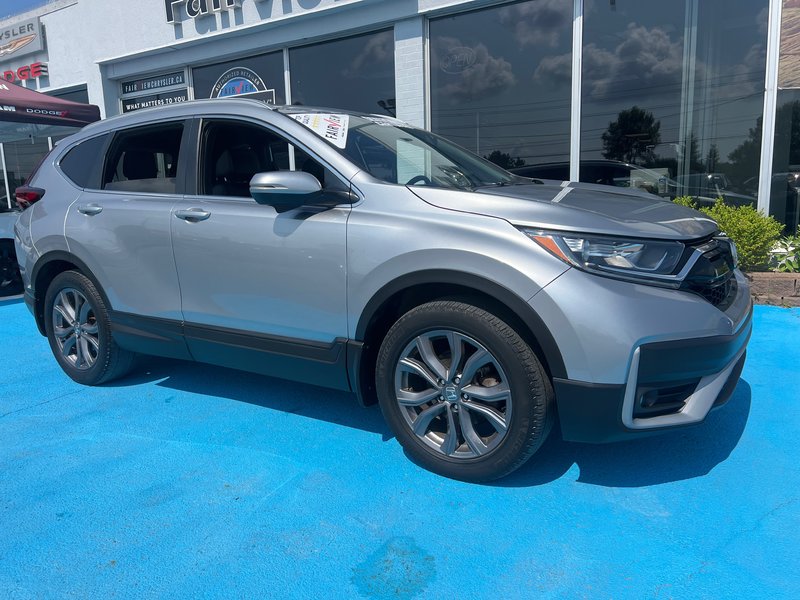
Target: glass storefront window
22	157
355	73
678	88
259	77
501	81
5	202
785	183
77	95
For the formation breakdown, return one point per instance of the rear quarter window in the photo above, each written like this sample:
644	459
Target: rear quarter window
83	163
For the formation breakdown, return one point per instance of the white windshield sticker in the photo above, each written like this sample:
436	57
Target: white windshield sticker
329	126
385	121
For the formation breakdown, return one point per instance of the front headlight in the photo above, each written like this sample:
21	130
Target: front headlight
615	257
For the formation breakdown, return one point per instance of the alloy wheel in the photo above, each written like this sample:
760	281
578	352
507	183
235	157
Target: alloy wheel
75	328
453	394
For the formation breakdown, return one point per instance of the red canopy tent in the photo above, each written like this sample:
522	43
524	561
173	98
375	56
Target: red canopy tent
21	105
27	114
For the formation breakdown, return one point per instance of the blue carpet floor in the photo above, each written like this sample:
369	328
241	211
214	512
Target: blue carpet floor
187	481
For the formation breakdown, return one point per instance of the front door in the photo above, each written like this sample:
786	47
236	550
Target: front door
260	290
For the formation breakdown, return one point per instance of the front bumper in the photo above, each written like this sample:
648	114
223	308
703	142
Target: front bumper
670	384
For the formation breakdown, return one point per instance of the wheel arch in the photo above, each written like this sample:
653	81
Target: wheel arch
46	269
404	293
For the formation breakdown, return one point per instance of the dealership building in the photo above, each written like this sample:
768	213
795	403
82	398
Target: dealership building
700	92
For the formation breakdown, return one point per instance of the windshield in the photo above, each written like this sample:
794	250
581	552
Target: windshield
394	152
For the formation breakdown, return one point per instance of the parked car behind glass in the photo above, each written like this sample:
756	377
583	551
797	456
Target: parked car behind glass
605	172
359	253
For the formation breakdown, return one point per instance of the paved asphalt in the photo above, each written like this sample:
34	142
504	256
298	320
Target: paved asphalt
186	481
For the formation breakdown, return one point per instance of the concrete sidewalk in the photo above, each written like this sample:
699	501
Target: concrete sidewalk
187	481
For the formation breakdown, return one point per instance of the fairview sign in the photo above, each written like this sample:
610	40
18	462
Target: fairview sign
198	8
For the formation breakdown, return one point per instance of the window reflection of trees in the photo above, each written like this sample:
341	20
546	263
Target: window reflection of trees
677	88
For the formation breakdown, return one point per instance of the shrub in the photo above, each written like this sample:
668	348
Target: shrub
753	233
785	255
685	201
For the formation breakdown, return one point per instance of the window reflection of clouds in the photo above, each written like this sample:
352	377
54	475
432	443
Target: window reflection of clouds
484	92
366	83
476	73
705	103
538	23
379	50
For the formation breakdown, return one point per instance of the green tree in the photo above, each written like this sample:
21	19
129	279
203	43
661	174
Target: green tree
504	159
632	136
712	159
746	157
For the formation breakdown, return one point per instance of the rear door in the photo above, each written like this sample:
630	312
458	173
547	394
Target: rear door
120	225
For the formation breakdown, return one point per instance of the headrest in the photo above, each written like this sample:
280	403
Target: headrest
224	166
245	161
139	164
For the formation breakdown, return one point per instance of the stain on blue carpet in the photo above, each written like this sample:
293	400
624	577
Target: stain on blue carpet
398	569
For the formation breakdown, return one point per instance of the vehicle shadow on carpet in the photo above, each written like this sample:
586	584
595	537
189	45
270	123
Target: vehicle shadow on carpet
663	458
333	406
672	456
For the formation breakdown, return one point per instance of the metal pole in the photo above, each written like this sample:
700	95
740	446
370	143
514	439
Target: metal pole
770	105
575	112
5	174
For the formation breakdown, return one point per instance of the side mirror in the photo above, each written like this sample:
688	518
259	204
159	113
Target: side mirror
284	190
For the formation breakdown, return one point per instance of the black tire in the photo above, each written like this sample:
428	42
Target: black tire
512	368
83	346
10	279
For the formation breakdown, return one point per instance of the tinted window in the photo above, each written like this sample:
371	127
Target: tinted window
144	159
355	73
559	172
259	77
22	159
785	183
76	95
233	152
501	81
677	87
83	163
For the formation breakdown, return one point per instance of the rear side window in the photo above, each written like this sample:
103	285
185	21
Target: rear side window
83	163
144	159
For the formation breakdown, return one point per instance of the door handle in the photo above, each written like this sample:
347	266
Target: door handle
90	209
192	214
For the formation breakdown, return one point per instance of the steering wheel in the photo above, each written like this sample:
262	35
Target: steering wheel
419	179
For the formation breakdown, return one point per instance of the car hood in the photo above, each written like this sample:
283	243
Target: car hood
577	207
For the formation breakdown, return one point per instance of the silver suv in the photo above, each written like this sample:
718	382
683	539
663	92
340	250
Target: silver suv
358	253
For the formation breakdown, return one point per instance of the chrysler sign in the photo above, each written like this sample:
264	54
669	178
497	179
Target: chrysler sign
20	39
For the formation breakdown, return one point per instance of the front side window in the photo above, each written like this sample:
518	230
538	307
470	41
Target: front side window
232	152
397	153
144	159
